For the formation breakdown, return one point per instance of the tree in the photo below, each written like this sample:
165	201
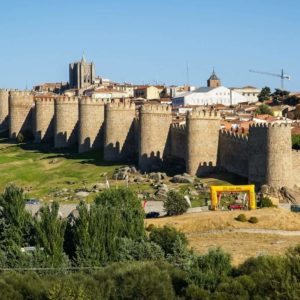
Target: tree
175	204
167	238
15	225
264	94
264	109
279	96
116	214
50	231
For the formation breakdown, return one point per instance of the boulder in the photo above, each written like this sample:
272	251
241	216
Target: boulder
184	178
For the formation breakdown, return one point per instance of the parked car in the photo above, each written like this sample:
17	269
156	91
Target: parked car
235	206
152	214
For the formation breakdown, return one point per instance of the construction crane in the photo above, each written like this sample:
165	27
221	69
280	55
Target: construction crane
282	76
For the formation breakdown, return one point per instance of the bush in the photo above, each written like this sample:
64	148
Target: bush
253	220
150	227
266	202
175	204
166	238
241	218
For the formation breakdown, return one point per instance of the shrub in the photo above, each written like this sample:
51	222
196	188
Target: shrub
175	204
166	238
253	220
241	218
150	227
266	202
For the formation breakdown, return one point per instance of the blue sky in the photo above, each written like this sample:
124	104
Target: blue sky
150	41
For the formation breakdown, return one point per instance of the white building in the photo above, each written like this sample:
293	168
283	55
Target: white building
250	92
209	96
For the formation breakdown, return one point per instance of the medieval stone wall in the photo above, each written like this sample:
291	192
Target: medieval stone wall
119	142
270	155
66	122
4	109
44	119
178	141
296	167
233	153
91	124
21	106
202	141
154	147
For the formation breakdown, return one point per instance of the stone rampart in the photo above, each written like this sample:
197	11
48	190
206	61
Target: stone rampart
65	122
233	153
4	109
119	135
270	155
202	128
21	106
44	119
296	167
91	124
154	146
178	141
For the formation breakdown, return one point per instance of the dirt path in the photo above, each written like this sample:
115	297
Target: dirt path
249	230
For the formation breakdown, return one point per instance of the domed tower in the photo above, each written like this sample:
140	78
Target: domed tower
213	81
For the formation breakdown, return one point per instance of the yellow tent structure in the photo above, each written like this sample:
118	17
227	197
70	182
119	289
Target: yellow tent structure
249	189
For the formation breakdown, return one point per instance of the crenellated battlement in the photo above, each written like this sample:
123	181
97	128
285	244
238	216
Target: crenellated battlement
269	125
44	100
156	109
178	127
4	90
17	93
241	138
62	100
93	101
197	113
116	105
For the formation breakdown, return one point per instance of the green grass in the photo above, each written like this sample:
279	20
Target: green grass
39	170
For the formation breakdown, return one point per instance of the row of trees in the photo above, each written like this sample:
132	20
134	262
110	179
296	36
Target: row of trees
104	252
278	97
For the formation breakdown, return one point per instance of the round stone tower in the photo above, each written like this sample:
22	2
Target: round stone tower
270	155
4	109
44	119
119	143
154	147
91	124
65	122
21	106
202	129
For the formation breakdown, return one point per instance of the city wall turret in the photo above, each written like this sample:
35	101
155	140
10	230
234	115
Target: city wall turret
44	119
65	122
119	135
202	127
4	111
270	155
21	106
91	124
154	146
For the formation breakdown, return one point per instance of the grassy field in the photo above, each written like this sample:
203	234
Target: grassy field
41	172
204	230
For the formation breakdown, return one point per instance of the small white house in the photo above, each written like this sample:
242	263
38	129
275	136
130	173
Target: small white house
209	96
